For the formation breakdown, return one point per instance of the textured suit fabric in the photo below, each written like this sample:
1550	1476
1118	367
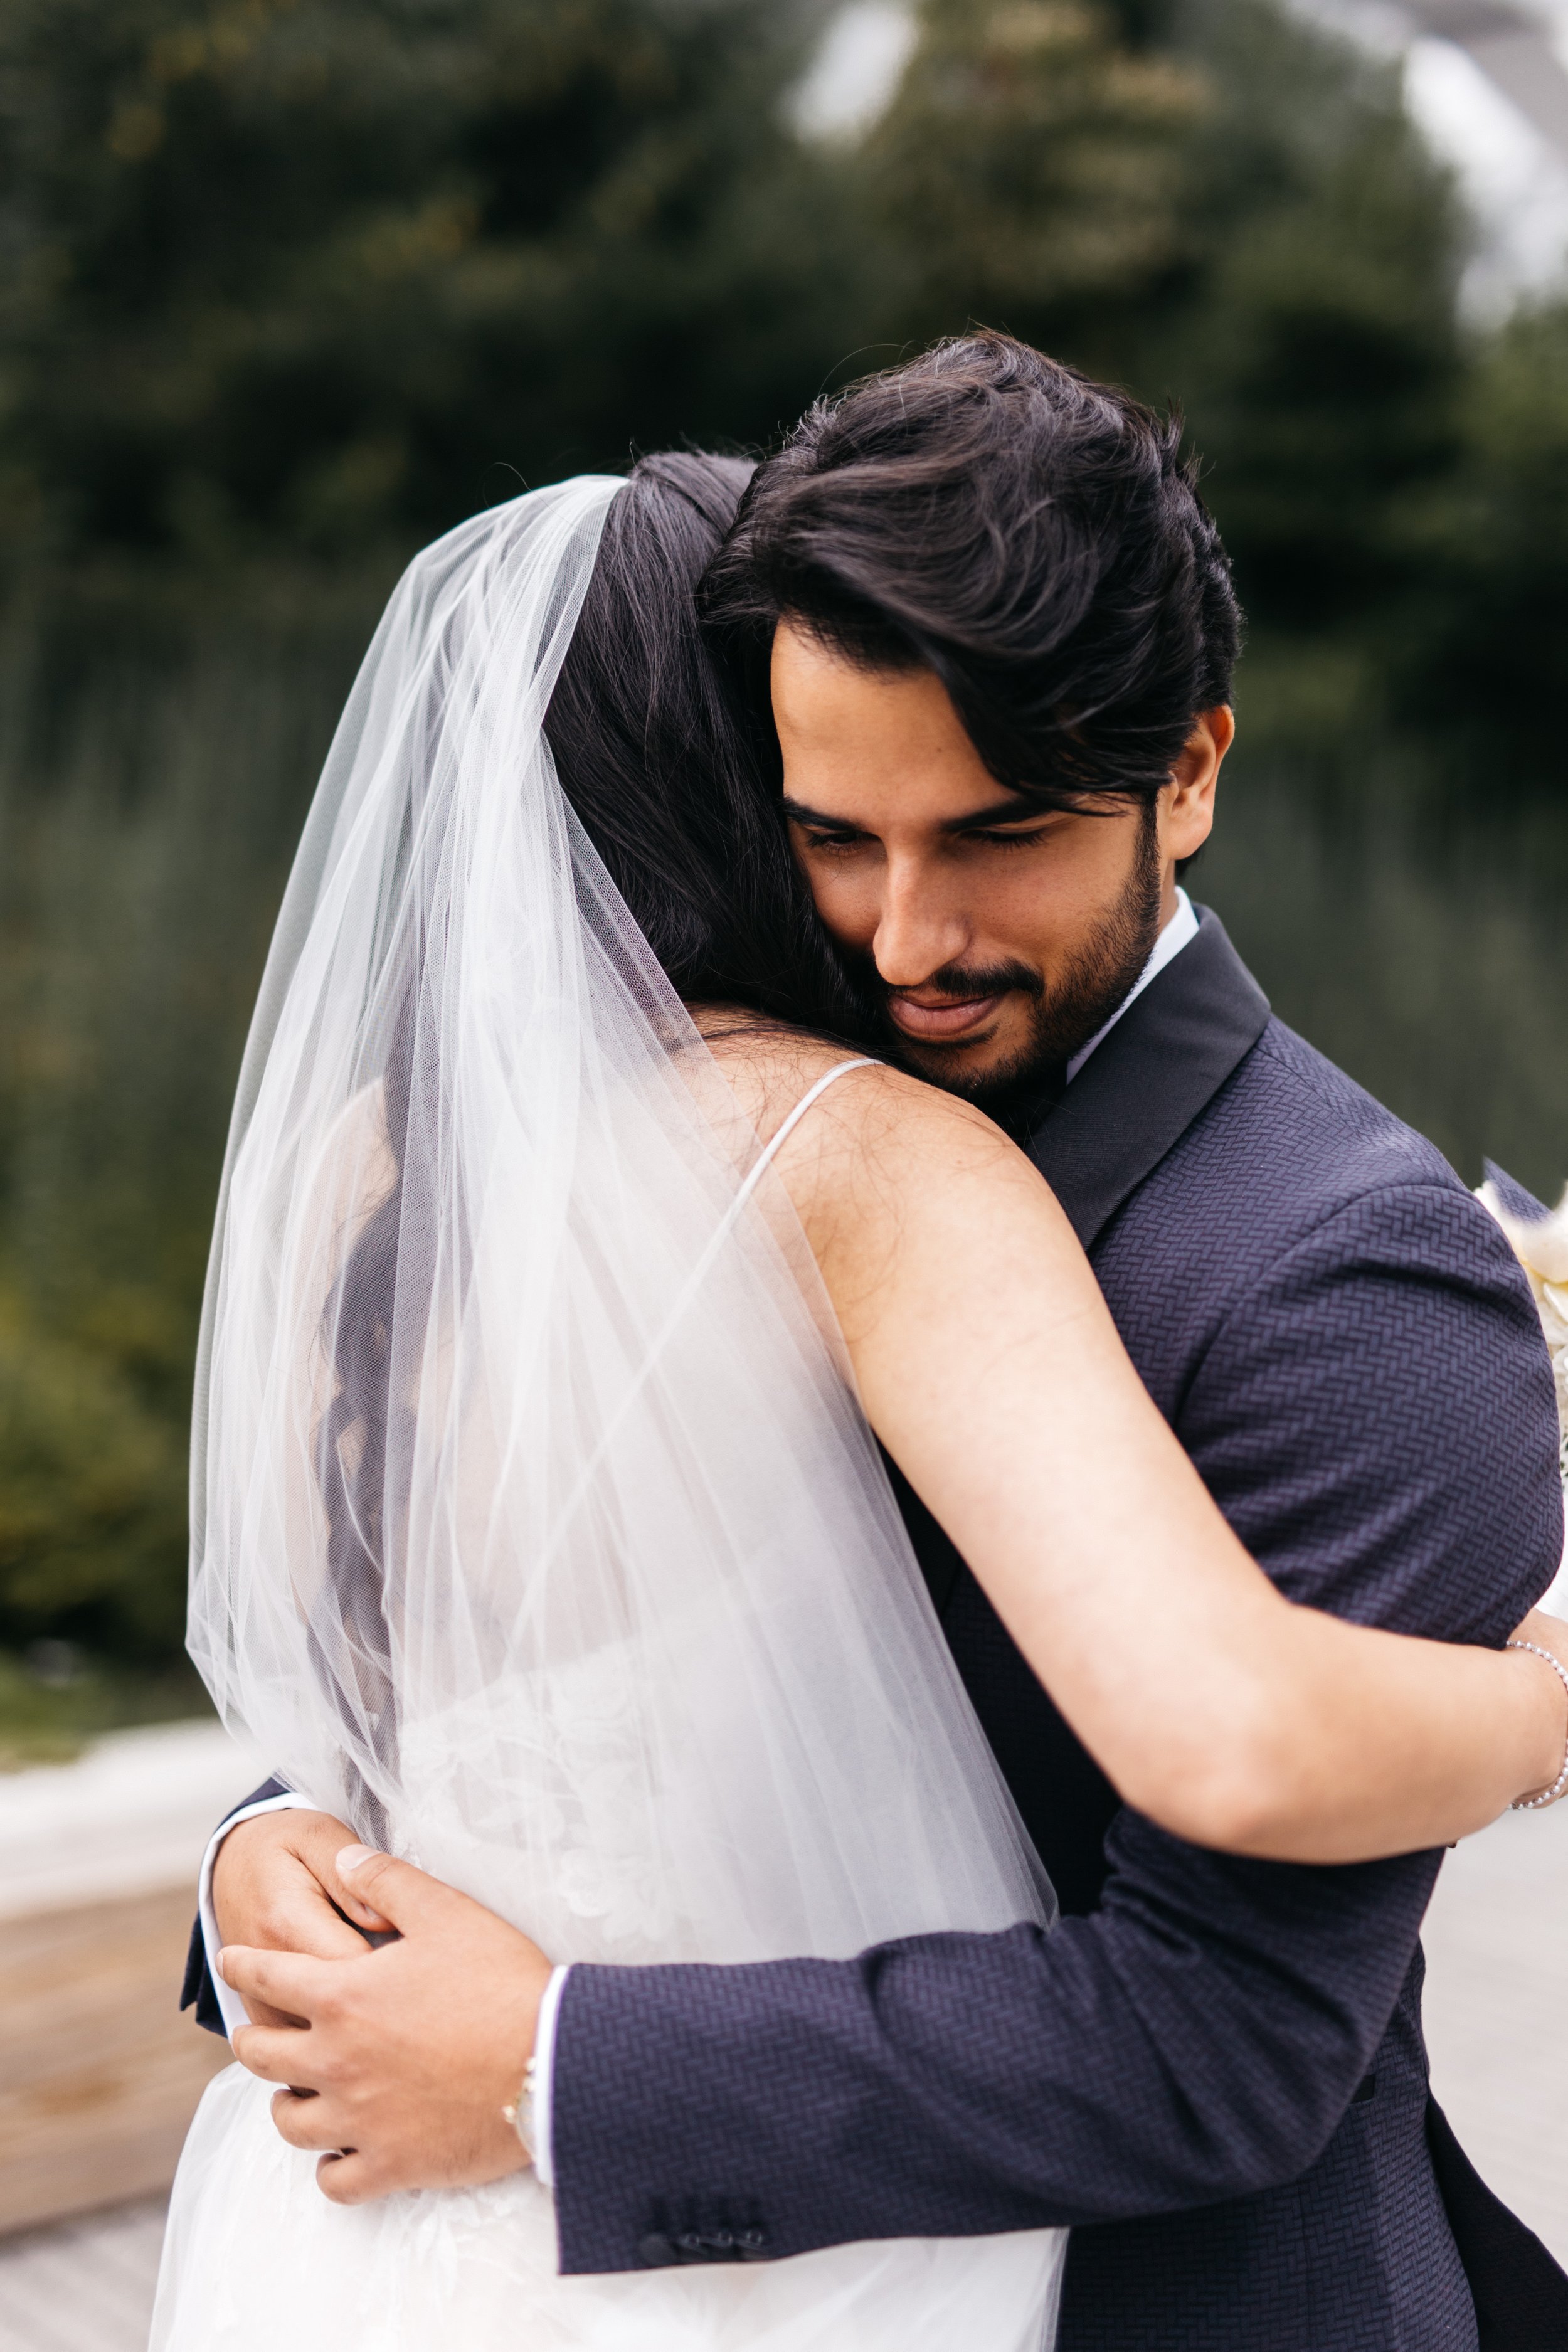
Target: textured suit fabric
1213	2067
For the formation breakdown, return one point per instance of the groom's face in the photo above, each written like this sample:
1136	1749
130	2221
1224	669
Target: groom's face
998	937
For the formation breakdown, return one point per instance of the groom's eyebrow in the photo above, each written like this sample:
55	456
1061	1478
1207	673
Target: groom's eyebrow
798	814
1007	811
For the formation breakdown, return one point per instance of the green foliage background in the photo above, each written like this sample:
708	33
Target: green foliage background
288	286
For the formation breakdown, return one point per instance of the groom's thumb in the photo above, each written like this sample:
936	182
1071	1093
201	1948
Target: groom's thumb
379	1883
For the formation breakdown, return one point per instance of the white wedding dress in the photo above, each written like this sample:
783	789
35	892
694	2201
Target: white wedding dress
536	1528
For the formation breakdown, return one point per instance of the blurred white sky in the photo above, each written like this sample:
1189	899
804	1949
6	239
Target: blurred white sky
1514	170
857	69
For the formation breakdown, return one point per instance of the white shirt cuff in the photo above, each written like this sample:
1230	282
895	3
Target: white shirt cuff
230	2006
544	2077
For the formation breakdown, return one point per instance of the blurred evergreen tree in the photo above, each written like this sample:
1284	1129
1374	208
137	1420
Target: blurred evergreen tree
324	275
92	1499
317	273
1218	203
1491	645
1033	173
150	799
1316	347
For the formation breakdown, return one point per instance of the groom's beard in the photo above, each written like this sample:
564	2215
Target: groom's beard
1091	984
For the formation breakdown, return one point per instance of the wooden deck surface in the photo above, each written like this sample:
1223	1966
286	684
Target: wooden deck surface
99	2073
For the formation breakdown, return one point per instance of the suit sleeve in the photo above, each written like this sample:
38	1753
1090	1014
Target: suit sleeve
1376	1420
199	1990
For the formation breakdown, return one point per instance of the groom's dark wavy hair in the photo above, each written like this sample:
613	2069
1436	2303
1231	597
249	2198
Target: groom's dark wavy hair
1034	538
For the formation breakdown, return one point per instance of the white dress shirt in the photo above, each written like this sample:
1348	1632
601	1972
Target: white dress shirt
1180	928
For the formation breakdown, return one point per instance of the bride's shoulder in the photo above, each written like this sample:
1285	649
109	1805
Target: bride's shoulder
771	1067
896	1183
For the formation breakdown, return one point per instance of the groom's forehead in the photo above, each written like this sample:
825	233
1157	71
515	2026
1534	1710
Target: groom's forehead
816	685
853	737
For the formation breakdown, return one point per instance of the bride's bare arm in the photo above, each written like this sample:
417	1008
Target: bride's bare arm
990	1367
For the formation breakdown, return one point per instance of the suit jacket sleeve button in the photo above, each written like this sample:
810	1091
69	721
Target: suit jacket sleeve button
657	2251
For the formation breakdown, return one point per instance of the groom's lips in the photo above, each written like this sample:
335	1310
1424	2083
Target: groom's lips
940	1019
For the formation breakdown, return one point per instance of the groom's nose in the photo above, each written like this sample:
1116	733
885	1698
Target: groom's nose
919	928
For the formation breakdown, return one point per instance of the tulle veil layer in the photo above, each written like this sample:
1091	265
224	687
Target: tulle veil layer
536	1530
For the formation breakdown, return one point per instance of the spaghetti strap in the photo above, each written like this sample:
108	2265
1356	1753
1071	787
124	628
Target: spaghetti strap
788	1126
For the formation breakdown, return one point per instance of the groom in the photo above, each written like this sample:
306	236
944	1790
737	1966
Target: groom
1214	2068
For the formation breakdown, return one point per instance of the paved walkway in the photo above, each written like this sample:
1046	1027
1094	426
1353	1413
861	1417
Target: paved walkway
83	2286
1497	1941
1497	2012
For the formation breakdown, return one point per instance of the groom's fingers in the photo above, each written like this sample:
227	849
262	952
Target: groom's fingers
291	1982
408	1898
280	2053
321	1841
310	2123
346	2176
349	2179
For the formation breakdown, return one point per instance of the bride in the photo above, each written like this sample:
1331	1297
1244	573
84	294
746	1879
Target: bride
541	1535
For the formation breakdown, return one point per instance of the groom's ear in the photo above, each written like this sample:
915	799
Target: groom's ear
1186	805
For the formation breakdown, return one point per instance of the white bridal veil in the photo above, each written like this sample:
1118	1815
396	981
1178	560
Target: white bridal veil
536	1528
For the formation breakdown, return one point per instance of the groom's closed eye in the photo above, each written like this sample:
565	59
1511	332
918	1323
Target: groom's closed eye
1008	826
1004	840
824	832
990	826
837	845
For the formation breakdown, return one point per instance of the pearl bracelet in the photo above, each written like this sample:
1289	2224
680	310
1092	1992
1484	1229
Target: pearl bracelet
1547	1796
519	2114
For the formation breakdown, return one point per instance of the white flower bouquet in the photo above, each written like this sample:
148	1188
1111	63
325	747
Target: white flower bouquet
1540	1240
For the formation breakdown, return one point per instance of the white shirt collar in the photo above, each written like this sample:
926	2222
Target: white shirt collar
1182	927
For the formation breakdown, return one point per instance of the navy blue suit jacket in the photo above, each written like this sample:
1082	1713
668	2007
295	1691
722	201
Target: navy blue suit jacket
1213	2067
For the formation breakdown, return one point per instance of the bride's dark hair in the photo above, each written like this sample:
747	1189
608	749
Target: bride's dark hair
669	770
657	758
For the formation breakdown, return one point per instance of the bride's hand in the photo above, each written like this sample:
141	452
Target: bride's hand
413	2052
275	1888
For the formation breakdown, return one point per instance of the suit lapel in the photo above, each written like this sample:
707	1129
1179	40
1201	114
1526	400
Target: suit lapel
1168	1056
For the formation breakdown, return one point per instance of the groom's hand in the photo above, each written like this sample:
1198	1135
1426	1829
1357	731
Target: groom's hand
412	2050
